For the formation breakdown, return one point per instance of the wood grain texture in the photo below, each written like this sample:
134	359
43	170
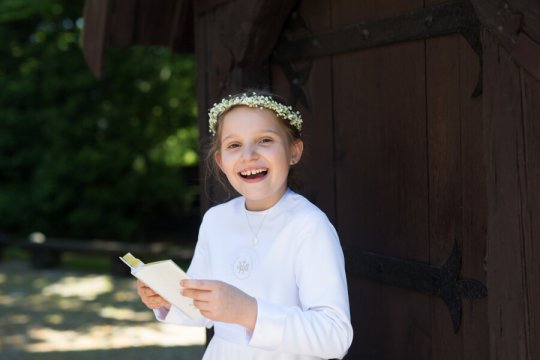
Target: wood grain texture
513	178
530	183
457	188
95	34
381	179
315	174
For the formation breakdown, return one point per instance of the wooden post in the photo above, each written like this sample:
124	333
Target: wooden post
233	44
512	134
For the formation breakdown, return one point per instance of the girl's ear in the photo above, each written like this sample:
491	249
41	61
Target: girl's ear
217	159
297	149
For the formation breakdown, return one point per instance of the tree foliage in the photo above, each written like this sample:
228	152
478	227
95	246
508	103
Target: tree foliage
81	157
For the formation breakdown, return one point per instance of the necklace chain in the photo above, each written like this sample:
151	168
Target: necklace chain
255	239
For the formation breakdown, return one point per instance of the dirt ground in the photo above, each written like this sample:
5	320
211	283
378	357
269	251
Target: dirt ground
54	314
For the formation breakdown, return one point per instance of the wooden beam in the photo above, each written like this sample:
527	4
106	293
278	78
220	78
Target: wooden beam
517	32
122	23
95	34
203	6
260	23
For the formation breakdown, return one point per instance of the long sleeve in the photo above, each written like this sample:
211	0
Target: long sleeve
320	326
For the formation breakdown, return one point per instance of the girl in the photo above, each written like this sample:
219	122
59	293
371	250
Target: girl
268	270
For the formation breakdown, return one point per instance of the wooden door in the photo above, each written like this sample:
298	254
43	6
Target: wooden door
511	44
394	155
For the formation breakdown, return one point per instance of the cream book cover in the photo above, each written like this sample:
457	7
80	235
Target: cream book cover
164	278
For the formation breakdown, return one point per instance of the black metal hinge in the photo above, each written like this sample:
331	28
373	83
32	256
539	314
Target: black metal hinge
454	17
442	281
439	20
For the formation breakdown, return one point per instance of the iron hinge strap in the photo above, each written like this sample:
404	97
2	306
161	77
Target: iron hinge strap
438	280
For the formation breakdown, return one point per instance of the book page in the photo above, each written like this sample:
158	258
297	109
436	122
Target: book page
164	278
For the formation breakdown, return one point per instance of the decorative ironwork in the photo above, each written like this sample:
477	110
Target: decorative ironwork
297	72
440	20
442	281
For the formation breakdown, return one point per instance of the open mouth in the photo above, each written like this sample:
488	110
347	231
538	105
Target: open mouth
254	174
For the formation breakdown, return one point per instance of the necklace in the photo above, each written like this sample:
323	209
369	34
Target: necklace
255	239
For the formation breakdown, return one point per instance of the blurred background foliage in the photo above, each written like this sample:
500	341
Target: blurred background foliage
114	158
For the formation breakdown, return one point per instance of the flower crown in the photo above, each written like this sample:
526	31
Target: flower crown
254	101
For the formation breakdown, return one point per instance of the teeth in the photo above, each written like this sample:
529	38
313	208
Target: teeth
252	172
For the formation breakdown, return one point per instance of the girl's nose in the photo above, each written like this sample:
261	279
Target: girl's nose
249	153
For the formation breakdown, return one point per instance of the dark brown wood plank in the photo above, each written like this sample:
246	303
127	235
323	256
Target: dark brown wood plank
530	8
150	15
182	37
350	12
315	174
122	23
529	174
509	175
474	322
96	24
381	182
457	188
214	64
445	176
256	28
516	25
419	24
381	179
202	6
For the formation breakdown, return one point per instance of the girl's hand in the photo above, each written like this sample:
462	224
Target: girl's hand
220	301
150	298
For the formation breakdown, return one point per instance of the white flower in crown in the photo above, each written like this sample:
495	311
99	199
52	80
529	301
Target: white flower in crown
255	101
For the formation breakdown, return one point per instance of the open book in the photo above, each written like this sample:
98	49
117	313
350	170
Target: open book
164	278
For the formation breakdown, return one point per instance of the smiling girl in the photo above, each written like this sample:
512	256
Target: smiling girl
268	270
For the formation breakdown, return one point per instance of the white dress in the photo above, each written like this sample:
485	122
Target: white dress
295	271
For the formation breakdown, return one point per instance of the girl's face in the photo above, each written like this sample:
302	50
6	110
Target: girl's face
256	155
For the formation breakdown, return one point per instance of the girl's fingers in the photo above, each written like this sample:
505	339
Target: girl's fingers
145	291
195	294
199	284
150	298
155	301
200	290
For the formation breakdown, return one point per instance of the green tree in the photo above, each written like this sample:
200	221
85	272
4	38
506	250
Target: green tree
81	157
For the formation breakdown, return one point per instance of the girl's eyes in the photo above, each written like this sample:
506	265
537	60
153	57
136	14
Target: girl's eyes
266	140
263	141
232	145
